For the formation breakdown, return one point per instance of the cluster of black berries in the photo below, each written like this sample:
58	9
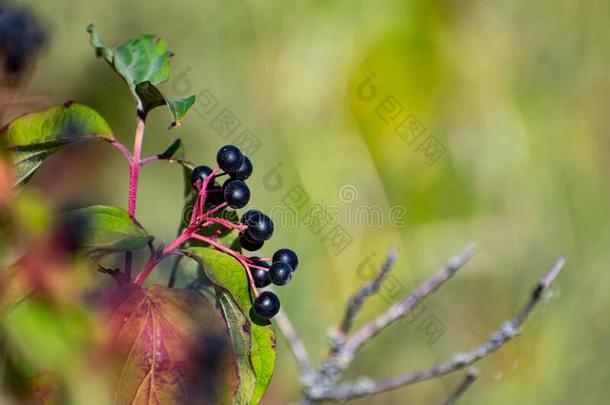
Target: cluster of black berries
283	264
256	226
21	36
234	191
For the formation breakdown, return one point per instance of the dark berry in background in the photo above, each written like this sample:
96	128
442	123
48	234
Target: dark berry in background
21	37
229	158
267	305
287	256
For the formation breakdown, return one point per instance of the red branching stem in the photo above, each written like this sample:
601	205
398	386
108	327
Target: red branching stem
149	159
199	220
117	144
253	266
231	252
226	223
217	208
153	261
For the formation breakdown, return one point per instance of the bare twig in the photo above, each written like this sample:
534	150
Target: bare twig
402	308
358	389
355	303
295	344
470	378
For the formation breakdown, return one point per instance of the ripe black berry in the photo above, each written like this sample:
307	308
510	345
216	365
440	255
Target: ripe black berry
229	158
260	226
267	305
199	173
261	278
286	256
250	244
237	194
244	171
248	216
280	273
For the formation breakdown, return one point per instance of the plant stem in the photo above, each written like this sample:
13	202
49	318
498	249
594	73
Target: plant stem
233	253
136	164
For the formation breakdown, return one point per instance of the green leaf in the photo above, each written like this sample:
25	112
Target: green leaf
173	348
227	273
143	63
33	137
110	229
262	357
241	335
179	107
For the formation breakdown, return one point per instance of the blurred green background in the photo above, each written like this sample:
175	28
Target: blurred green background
517	93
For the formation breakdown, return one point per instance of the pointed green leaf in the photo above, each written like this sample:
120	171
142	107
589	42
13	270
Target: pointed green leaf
32	137
110	229
151	97
179	107
143	63
226	272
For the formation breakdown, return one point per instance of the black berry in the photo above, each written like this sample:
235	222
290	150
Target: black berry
237	194
244	171
286	256
199	174
230	158
250	244
267	305
280	273
260	226
261	277
248	216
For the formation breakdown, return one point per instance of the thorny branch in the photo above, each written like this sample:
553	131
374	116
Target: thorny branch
324	384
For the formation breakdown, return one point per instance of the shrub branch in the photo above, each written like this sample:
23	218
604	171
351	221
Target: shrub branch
325	384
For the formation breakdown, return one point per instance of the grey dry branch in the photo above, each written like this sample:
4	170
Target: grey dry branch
295	344
324	384
470	378
355	303
401	308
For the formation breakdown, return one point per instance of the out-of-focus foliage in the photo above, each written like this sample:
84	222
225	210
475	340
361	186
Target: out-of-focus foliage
516	91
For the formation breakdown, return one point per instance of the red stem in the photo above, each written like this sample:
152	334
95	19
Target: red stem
233	253
135	164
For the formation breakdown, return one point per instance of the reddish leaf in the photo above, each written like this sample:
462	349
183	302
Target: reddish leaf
173	348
